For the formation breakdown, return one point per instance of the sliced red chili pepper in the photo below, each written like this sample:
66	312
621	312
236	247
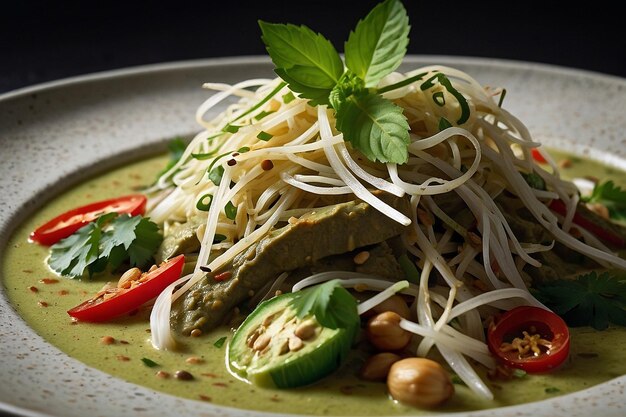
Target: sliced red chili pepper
548	331
537	156
67	223
125	300
599	231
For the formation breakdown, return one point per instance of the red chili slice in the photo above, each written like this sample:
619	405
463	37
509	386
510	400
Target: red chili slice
535	321
67	223
121	300
537	156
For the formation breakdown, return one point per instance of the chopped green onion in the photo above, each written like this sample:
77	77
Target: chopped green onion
215	175
220	342
402	83
218	238
264	136
201	205
445	82
231	128
230	210
444	124
202	156
263	114
149	362
243	149
263	101
288	98
439	99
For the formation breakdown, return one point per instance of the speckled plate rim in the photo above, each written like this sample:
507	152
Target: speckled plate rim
122	398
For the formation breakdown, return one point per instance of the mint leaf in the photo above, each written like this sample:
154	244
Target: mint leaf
306	60
590	300
611	196
376	127
378	44
331	304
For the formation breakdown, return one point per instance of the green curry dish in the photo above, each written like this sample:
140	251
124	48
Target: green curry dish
277	346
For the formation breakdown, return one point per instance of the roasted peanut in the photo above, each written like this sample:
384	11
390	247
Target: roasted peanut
396	304
419	382
128	277
384	332
376	367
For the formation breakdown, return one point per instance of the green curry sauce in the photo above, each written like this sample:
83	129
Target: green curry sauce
42	300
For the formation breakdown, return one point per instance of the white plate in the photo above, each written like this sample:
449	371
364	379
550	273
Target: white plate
55	134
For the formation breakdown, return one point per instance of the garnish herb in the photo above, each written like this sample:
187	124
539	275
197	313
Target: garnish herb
331	304
312	67
518	373
149	362
611	196
590	300
220	342
107	242
176	148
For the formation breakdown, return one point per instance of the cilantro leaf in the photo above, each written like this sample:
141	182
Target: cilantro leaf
376	127
109	241
378	44
331	304
145	243
590	300
611	196
304	59
72	255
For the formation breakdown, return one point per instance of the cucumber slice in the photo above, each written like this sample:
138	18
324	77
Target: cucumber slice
267	352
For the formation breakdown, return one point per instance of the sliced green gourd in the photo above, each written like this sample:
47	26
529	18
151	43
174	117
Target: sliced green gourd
283	344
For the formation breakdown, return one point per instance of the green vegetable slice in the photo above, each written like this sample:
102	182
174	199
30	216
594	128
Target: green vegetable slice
264	352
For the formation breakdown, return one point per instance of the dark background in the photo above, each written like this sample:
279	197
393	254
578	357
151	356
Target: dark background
46	40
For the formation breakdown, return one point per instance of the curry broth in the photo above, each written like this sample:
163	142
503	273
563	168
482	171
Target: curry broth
42	299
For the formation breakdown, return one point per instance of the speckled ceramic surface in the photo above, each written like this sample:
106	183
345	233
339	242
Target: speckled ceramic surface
53	135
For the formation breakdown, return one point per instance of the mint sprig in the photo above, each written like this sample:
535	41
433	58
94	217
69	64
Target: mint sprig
311	66
304	59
